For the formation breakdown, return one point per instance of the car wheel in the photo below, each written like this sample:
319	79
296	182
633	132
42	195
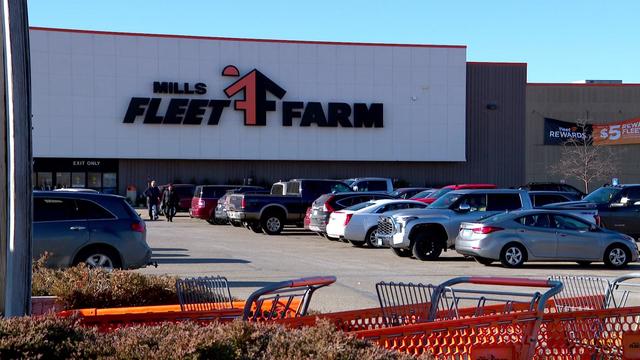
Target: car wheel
370	238
616	256
357	243
256	228
425	248
99	257
272	224
584	263
483	261
513	255
405	253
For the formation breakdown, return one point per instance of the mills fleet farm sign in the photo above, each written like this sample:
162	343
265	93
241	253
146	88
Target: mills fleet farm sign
255	105
150	96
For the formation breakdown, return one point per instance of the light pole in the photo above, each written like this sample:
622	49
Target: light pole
15	161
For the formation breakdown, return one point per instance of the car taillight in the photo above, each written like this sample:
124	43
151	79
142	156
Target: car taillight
327	207
137	227
243	203
201	203
347	219
598	219
486	229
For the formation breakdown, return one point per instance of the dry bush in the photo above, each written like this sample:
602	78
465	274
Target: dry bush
62	338
83	287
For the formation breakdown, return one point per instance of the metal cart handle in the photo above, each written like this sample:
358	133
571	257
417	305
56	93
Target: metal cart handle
555	287
311	283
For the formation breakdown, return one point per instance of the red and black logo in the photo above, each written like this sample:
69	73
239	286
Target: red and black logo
255	87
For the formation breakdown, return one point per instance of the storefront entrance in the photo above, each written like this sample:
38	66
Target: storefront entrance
62	173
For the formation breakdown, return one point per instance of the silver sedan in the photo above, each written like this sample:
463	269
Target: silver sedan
543	235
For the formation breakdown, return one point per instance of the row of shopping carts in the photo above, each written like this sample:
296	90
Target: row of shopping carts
463	318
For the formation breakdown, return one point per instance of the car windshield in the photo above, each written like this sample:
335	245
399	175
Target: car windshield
422	194
438	193
444	202
360	206
602	195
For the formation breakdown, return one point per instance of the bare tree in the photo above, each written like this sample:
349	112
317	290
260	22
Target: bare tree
581	160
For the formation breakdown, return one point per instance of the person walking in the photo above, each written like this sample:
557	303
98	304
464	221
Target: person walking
153	200
171	203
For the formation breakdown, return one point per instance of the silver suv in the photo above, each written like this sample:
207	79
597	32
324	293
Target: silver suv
100	230
427	232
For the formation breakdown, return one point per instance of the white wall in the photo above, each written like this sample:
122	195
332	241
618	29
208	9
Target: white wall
82	84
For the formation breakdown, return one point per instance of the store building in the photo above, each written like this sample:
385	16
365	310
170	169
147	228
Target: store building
112	110
613	105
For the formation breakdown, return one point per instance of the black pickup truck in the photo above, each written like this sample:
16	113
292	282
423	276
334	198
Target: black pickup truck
269	213
618	207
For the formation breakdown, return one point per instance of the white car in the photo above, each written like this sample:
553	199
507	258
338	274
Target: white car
358	224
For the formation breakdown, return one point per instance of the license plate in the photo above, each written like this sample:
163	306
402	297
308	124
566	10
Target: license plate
467	232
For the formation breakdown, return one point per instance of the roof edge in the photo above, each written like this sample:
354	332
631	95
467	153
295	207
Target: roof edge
198	37
497	63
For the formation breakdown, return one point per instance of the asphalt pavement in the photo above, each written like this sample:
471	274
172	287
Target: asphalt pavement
190	247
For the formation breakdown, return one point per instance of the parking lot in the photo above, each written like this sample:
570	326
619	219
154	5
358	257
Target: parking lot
189	247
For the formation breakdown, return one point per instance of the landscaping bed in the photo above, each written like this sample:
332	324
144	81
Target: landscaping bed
55	338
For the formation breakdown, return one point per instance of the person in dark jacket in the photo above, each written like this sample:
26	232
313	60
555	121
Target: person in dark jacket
153	199
171	200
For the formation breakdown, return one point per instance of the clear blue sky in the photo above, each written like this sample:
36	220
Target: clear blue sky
561	40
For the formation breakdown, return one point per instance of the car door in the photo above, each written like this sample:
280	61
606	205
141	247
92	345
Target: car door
104	227
575	241
538	236
58	229
623	214
629	215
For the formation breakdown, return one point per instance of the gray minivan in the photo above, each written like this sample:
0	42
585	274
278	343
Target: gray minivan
98	229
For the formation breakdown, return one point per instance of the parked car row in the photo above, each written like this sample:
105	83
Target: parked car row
477	220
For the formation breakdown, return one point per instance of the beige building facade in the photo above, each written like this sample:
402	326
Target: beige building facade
595	103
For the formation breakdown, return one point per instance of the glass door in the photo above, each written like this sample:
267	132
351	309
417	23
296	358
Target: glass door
78	180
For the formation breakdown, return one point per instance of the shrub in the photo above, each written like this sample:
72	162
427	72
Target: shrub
83	287
62	338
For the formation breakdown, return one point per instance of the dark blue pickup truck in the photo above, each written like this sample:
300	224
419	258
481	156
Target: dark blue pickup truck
618	207
270	213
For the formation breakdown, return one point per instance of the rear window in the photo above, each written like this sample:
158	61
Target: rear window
277	189
214	192
293	188
360	206
129	210
422	194
503	202
183	191
321	200
438	193
92	211
545	199
376	185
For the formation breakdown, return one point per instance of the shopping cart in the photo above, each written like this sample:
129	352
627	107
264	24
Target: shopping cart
595	334
209	299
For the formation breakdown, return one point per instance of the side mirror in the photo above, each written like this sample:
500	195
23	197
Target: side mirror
464	208
593	228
